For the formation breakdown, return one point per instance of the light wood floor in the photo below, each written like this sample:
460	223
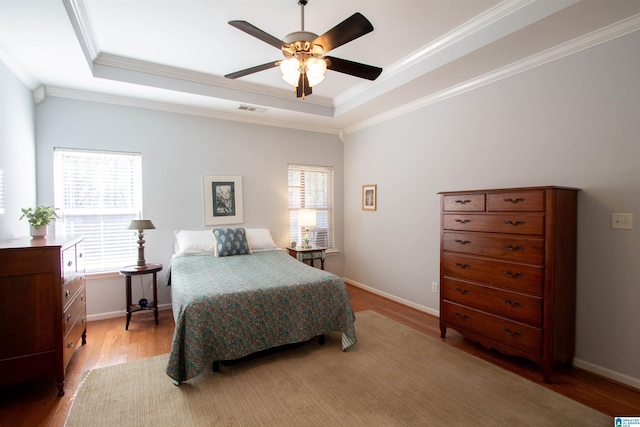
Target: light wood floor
35	403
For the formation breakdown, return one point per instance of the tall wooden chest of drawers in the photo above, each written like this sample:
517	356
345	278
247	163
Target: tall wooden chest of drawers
508	270
42	307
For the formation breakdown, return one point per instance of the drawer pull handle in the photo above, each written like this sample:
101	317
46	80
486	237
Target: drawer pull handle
462	316
463	221
463	202
80	255
514	248
518	200
67	293
69	344
463	291
68	317
83	319
463	242
513	334
514	275
82	297
514	224
463	266
513	304
70	263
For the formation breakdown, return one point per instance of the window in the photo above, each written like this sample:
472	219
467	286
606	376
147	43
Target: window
98	194
311	187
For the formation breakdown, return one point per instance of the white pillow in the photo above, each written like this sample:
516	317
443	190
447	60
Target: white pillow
194	241
260	239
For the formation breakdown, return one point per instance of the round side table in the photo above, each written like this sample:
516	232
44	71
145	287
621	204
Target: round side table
133	270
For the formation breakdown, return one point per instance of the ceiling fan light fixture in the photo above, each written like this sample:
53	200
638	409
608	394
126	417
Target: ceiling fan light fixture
290	69
316	67
305	64
314	81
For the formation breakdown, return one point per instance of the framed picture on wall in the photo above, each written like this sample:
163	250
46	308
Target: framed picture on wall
369	196
222	200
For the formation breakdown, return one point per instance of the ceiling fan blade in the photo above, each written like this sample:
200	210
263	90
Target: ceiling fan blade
357	69
252	70
257	33
350	29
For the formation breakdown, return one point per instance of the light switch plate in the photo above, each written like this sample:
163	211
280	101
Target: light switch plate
622	221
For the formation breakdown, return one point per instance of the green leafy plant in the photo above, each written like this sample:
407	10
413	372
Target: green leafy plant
41	216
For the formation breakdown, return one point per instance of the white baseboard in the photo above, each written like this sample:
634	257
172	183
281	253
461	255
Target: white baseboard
393	298
114	314
607	373
578	363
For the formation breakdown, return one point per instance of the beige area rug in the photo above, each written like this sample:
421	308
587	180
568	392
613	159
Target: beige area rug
393	376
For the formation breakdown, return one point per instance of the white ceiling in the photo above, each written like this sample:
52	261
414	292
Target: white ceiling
172	54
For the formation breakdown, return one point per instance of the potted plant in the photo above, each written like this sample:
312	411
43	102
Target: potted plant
39	218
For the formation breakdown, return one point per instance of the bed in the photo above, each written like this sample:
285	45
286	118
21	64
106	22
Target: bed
227	307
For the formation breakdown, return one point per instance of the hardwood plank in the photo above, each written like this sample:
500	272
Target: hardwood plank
35	403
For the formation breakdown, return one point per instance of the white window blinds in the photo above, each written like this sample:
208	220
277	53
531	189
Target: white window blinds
311	187
98	194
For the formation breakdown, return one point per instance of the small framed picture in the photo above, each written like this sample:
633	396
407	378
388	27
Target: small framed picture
222	200
369	197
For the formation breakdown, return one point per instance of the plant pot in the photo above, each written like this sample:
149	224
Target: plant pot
38	232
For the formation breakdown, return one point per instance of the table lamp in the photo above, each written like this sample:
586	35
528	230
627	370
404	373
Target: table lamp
306	219
141	225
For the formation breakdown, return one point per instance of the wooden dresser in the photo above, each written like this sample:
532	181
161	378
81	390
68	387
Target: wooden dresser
508	270
42	307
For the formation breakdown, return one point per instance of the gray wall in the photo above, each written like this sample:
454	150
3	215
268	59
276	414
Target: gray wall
17	153
574	122
177	150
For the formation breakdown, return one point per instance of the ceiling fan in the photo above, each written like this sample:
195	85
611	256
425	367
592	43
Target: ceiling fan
305	62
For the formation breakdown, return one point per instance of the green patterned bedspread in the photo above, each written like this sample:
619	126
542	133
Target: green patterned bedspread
228	307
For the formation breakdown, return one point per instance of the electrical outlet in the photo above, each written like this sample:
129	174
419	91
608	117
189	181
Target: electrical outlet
622	221
434	287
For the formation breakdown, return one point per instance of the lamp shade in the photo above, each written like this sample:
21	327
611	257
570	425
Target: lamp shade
141	224
307	217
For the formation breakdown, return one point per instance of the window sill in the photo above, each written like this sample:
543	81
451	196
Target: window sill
102	275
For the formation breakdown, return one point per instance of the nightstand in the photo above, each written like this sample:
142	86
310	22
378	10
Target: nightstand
311	253
132	270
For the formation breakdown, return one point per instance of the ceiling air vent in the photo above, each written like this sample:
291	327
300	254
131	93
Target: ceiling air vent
252	109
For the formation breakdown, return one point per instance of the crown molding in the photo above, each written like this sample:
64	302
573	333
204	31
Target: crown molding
39	94
496	23
184	109
110	60
129	70
14	64
460	33
595	38
170	78
83	26
105	65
